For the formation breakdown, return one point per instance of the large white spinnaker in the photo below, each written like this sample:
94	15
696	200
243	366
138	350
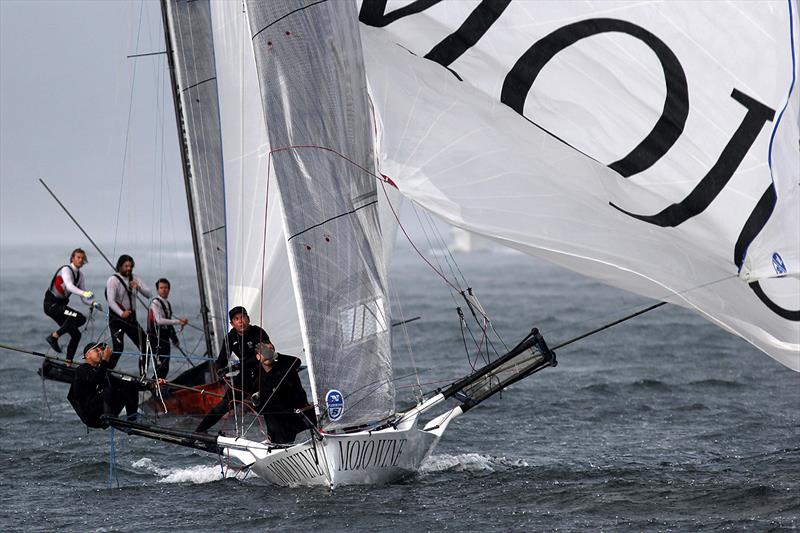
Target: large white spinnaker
776	249
627	141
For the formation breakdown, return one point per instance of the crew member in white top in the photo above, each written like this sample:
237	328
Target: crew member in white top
121	289
161	327
67	281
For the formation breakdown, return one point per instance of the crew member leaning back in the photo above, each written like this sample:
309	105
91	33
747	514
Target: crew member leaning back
67	281
120	294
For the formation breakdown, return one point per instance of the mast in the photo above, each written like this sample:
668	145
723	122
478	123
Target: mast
198	132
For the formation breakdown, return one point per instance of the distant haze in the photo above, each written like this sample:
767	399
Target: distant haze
64	116
67	88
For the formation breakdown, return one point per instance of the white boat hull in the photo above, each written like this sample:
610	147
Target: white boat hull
365	457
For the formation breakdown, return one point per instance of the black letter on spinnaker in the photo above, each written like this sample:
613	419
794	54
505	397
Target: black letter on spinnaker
755	223
715	180
670	124
454	45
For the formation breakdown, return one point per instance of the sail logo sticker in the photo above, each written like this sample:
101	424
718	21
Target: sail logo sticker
777	263
335	403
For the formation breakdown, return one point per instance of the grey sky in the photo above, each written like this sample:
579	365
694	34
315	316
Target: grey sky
65	90
65	93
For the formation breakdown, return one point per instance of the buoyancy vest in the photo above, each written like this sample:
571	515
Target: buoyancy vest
111	312
162	332
57	286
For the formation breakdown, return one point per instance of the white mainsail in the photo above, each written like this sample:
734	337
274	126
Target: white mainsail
320	127
191	55
258	266
627	141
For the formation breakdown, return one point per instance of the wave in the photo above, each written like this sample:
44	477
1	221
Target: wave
638	385
20	408
691	407
716	383
469	462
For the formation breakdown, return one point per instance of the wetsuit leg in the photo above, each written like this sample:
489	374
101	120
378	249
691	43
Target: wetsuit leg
163	362
282	428
160	350
216	413
74	337
116	328
69	320
130	394
119	328
118	394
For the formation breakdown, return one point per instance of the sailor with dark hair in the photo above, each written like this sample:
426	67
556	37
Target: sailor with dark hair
161	326
95	392
279	394
120	295
237	359
67	281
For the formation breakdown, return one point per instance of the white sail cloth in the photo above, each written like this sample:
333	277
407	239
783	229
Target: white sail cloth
192	55
627	141
305	294
258	266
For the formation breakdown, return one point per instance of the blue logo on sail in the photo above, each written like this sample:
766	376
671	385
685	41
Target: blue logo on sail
335	402
777	263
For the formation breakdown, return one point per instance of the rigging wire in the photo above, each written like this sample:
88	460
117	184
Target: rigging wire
407	343
127	134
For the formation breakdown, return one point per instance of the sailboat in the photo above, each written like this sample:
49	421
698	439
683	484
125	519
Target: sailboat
597	136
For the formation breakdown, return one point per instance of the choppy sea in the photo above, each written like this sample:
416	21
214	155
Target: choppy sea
663	423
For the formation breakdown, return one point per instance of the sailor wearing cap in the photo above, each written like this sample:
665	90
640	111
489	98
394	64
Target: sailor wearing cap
95	392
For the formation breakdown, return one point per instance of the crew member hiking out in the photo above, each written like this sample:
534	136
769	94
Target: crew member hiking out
237	360
67	281
121	289
95	392
161	326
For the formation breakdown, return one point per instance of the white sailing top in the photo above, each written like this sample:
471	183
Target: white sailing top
118	294
67	276
157	307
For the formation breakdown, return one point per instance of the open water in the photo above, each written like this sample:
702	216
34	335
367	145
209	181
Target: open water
664	423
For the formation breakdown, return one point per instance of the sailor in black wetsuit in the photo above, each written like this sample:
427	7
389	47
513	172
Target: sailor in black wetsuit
120	294
238	356
161	327
95	392
279	394
68	280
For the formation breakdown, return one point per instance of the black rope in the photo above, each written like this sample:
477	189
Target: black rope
601	328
